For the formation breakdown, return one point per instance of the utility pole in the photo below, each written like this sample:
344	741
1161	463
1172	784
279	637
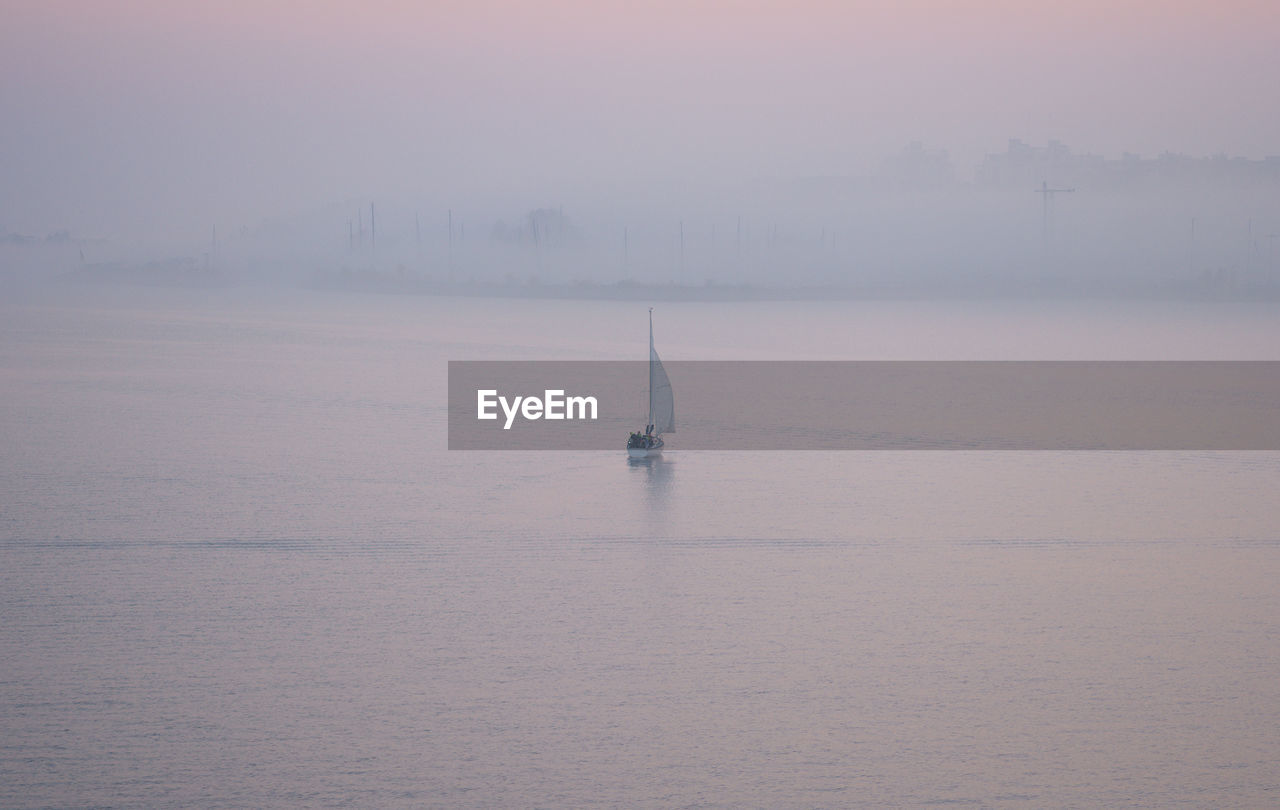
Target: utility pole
1191	250
537	246
1048	203
1271	257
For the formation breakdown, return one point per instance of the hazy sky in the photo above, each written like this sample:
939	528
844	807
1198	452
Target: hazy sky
126	118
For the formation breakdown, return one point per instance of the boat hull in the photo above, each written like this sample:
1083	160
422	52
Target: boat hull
644	447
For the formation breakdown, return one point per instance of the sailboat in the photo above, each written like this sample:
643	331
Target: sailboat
662	409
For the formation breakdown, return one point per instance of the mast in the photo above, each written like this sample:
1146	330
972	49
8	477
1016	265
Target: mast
649	424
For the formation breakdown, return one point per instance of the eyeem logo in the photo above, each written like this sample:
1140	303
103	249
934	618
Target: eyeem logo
553	405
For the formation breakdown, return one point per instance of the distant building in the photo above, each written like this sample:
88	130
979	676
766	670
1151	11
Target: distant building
919	168
1024	166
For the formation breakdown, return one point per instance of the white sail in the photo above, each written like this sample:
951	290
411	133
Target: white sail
662	402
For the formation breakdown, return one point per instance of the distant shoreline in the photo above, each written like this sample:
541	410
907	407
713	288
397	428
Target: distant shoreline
1224	287
1206	289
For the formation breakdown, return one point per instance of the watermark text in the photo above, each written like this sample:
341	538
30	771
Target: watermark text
552	405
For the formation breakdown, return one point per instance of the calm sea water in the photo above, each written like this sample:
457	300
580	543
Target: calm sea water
239	568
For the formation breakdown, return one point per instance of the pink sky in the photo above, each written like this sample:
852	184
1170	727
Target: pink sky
121	113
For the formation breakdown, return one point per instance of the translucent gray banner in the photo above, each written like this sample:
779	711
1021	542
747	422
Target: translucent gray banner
1202	405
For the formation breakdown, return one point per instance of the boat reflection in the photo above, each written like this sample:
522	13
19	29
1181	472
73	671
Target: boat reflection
658	474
